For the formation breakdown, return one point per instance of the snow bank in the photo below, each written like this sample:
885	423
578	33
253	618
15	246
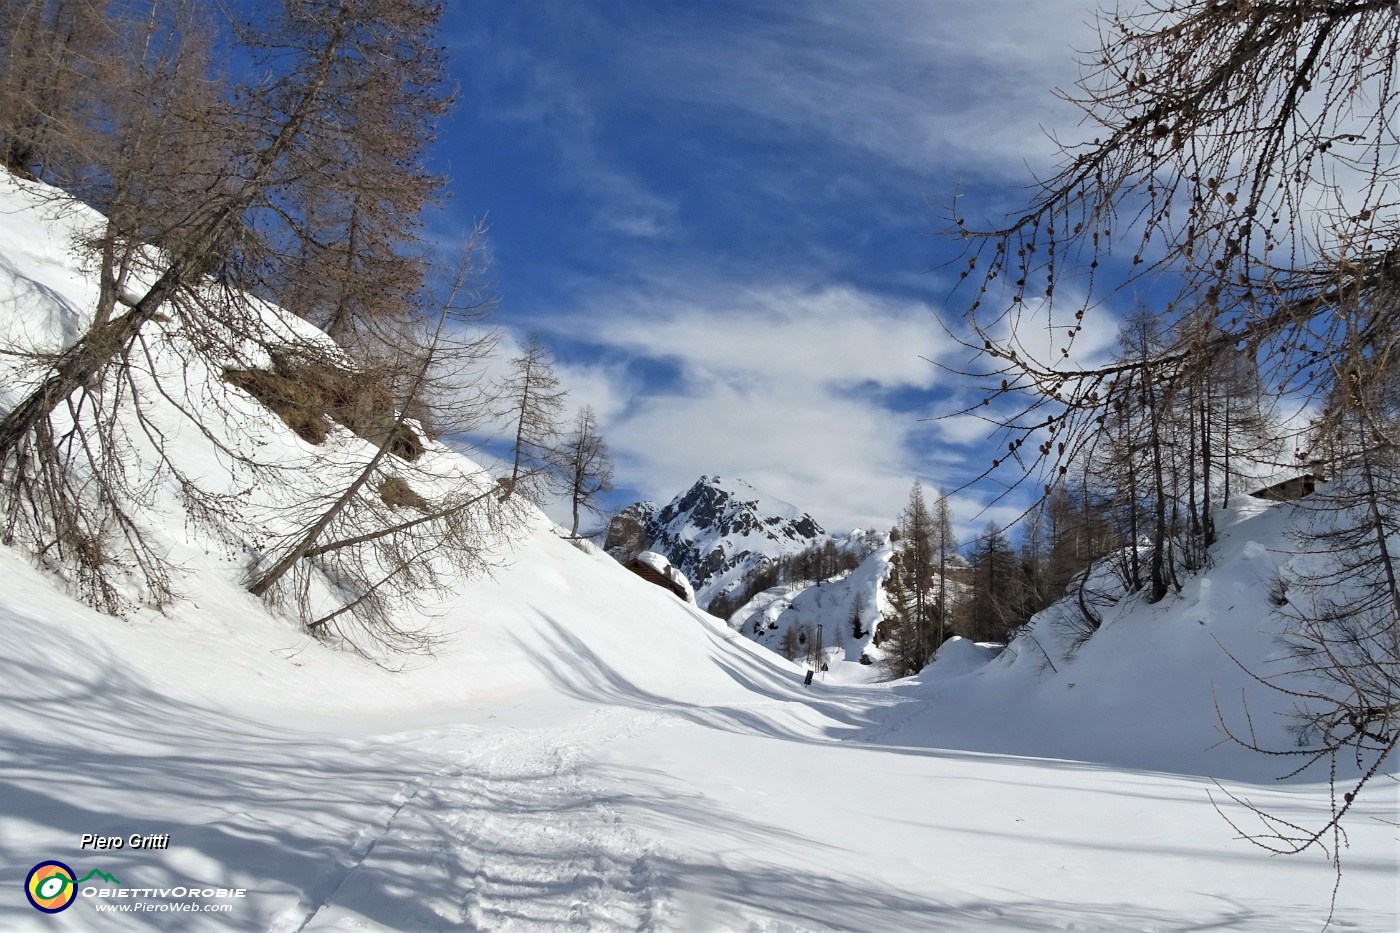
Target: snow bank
1157	686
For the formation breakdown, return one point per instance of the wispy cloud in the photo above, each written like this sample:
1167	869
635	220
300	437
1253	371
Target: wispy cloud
775	384
548	93
928	87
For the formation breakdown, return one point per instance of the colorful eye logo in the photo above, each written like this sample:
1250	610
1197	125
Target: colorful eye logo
50	887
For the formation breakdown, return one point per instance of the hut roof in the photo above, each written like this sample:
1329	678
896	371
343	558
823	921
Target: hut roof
655	568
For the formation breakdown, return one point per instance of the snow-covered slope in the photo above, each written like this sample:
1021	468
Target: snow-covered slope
587	752
718	531
1156	682
825	612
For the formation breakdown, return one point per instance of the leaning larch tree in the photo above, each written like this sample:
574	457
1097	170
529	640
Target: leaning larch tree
301	181
1243	166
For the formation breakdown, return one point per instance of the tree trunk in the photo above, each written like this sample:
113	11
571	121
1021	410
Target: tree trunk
80	364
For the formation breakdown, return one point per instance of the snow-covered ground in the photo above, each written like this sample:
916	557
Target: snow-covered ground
588	752
591	753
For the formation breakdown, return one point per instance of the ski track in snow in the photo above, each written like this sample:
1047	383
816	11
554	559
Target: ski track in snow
515	835
328	885
890	720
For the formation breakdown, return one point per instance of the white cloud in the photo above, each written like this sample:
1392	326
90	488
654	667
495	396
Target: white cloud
1051	337
777	385
965	430
971	516
832	336
836	459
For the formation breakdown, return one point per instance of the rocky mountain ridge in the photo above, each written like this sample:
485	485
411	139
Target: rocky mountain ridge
716	532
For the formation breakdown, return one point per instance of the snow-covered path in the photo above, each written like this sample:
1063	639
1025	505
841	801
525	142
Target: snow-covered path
513	834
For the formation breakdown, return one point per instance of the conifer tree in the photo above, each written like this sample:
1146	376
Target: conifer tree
533	402
585	466
53	55
987	613
911	627
255	186
945	546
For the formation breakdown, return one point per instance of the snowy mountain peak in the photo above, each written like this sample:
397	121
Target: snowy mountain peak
737	508
715	532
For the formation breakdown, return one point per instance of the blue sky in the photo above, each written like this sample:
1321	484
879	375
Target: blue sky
724	221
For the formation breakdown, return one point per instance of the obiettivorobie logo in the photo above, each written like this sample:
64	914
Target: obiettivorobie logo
52	886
